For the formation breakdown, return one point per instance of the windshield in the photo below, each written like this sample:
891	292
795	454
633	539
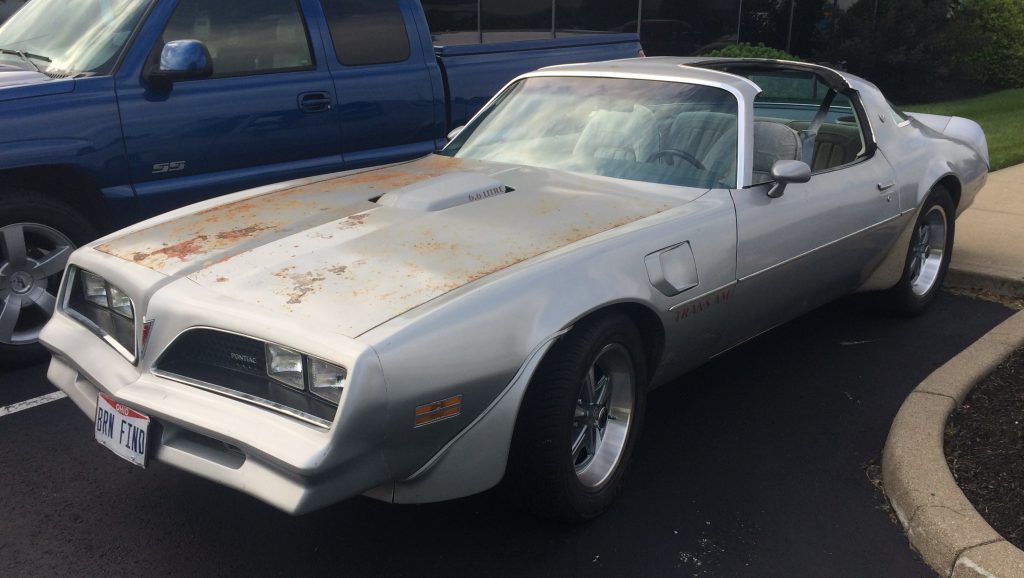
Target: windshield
642	130
64	38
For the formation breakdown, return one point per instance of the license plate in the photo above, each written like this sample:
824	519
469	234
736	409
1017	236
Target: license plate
121	429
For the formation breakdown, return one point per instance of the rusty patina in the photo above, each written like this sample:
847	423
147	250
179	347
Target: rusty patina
327	246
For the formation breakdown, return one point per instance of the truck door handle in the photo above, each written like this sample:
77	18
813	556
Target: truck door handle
886	186
314	101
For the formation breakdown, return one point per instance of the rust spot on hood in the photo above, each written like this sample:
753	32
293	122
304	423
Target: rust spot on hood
242	233
304	283
198	244
182	250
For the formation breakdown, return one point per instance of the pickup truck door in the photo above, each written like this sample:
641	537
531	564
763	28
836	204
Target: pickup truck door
267	114
390	93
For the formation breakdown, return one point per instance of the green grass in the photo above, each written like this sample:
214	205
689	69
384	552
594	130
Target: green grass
1001	114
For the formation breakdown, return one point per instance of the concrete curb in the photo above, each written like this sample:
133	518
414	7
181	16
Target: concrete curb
940	522
963	278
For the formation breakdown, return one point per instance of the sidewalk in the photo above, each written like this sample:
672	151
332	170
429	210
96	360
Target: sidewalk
989	247
940	522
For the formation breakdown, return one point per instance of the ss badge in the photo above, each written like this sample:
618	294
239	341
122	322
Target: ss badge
170	167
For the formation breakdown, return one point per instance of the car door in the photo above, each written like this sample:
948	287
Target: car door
390	100
820	239
268	112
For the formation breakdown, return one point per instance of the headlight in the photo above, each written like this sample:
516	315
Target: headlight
326	380
285	365
103	308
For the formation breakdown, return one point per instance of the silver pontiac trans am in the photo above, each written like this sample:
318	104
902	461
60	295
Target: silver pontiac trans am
499	310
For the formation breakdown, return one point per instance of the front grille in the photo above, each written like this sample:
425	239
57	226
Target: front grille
218	349
235	365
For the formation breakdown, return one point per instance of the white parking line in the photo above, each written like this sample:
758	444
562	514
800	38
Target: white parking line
29	404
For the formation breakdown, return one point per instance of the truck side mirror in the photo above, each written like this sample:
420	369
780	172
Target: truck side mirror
182	60
455	132
786	172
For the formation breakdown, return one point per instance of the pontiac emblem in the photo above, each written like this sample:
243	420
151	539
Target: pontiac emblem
243	358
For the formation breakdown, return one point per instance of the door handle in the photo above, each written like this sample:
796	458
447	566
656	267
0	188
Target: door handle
886	186
315	101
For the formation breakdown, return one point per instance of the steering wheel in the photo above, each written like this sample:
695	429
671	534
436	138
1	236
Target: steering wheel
670	154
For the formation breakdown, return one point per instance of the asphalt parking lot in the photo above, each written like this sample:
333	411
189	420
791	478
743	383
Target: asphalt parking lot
753	465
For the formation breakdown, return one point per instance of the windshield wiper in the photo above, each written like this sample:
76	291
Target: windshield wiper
26	56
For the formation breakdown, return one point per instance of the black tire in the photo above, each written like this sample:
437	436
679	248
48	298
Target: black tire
45	224
915	291
543	473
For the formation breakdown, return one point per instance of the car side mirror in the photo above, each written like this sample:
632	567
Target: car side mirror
455	132
786	172
182	60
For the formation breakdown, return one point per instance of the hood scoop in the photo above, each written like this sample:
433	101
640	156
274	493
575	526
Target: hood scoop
444	192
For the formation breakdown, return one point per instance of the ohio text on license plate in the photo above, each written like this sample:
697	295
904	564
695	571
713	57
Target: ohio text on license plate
121	429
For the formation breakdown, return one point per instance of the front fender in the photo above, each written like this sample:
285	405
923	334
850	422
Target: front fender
483	342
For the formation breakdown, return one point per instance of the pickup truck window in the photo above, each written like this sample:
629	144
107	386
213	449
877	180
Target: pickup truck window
367	31
245	36
85	40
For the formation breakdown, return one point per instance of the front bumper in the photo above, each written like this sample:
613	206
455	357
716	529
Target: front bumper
289	464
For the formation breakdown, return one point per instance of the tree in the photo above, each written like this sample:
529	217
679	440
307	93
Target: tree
994	31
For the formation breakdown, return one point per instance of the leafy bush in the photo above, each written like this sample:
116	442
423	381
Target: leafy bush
992	33
744	50
907	47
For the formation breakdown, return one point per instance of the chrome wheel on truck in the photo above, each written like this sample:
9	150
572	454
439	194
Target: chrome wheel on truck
37	235
34	256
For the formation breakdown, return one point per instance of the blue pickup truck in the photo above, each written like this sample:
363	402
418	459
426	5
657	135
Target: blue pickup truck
114	110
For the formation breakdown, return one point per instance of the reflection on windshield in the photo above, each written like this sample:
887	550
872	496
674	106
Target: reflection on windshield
642	130
65	38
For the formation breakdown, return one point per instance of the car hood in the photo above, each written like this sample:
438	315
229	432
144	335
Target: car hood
14	76
360	249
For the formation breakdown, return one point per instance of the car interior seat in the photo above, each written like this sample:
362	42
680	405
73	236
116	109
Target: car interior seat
697	132
772	142
617	135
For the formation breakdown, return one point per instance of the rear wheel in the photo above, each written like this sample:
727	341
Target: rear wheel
931	247
37	235
580	421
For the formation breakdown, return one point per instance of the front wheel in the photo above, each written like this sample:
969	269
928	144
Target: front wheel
931	248
37	235
580	421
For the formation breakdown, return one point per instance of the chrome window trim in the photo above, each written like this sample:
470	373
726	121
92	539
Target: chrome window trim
258	401
69	281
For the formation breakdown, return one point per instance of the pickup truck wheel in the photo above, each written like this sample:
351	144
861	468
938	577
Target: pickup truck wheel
37	235
580	421
931	247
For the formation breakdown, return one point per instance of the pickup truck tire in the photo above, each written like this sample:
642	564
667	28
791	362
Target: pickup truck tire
37	235
928	256
580	421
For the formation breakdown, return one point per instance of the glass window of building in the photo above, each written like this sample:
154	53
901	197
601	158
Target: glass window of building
510	20
575	17
453	21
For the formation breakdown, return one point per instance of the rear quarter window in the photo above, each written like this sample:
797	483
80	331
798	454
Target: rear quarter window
366	32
